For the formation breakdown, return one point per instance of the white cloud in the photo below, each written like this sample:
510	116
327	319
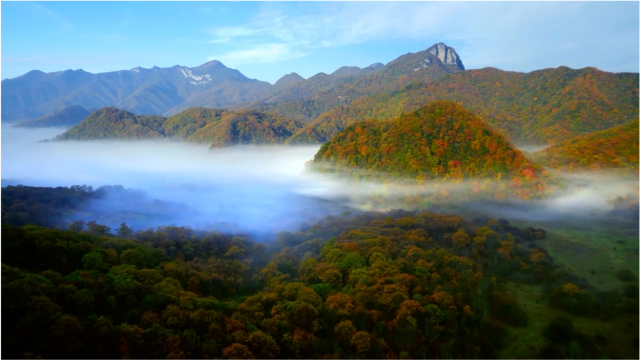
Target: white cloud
518	36
264	53
64	24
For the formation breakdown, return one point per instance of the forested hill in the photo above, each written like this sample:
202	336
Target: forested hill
200	125
442	140
540	107
112	123
612	148
69	116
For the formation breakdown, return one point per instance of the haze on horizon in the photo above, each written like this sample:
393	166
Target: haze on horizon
270	39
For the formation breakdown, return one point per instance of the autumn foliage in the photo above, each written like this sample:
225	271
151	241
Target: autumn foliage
198	125
612	148
372	286
540	107
441	140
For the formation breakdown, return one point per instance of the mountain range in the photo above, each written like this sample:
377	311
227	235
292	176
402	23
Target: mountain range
152	91
537	108
167	91
540	107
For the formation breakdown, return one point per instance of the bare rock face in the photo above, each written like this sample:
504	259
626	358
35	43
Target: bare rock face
447	55
440	56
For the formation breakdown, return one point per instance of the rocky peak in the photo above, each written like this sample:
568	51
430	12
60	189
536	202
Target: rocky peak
432	62
447	55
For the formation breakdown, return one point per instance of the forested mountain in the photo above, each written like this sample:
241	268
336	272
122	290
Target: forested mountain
200	125
612	148
286	81
66	117
540	107
308	99
441	140
143	91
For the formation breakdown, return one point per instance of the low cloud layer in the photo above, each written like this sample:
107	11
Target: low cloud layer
254	187
258	189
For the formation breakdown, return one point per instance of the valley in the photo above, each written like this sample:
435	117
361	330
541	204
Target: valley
375	212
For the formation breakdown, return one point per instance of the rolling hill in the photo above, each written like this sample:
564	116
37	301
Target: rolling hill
540	107
112	123
199	125
612	148
441	140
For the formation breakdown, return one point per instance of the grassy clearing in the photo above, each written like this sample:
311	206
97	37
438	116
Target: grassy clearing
619	334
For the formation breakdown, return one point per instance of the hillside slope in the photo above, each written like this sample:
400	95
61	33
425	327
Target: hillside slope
540	107
248	127
612	148
442	140
68	116
112	123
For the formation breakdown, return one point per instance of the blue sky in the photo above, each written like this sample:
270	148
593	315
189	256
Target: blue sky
268	40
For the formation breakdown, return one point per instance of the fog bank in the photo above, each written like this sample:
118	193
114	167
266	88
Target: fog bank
259	189
253	187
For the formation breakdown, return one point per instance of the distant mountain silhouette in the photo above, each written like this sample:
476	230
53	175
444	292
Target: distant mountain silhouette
66	117
168	91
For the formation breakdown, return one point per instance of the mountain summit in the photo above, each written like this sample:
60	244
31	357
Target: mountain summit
438	59
447	55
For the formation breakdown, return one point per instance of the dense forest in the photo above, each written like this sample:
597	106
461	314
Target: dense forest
374	285
540	107
441	140
615	148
